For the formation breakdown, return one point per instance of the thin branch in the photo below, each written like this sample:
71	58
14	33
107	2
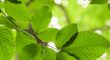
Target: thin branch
30	31
101	28
65	12
9	18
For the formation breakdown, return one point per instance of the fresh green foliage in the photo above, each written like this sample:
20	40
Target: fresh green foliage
50	35
7	44
41	18
65	34
64	56
6	22
25	35
19	13
85	44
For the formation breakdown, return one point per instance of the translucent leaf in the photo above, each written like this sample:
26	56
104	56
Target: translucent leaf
4	21
36	52
19	13
64	56
31	52
65	34
48	34
22	40
35	4
48	54
7	44
41	18
87	46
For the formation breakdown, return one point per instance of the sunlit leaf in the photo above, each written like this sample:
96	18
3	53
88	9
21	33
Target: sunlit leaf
48	34
65	34
64	56
41	18
88	46
7	44
19	13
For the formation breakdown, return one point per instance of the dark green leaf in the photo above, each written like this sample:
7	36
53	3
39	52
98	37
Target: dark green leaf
99	1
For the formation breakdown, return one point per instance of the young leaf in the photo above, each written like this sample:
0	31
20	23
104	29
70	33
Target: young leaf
7	44
48	54
39	3
36	52
48	34
31	52
64	56
23	40
19	13
5	22
99	2
41	18
65	34
88	46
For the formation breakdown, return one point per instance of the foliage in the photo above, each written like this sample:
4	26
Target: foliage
31	19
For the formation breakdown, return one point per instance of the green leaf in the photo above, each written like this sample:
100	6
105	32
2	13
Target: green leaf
35	4
48	54
7	44
87	46
64	56
65	34
31	52
19	13
22	40
48	34
4	21
36	52
99	2
41	18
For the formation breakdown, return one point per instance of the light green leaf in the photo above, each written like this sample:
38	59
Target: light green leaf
99	2
35	4
64	56
36	52
7	44
4	21
19	13
48	54
48	35
41	18
31	52
27	49
65	34
88	46
22	40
